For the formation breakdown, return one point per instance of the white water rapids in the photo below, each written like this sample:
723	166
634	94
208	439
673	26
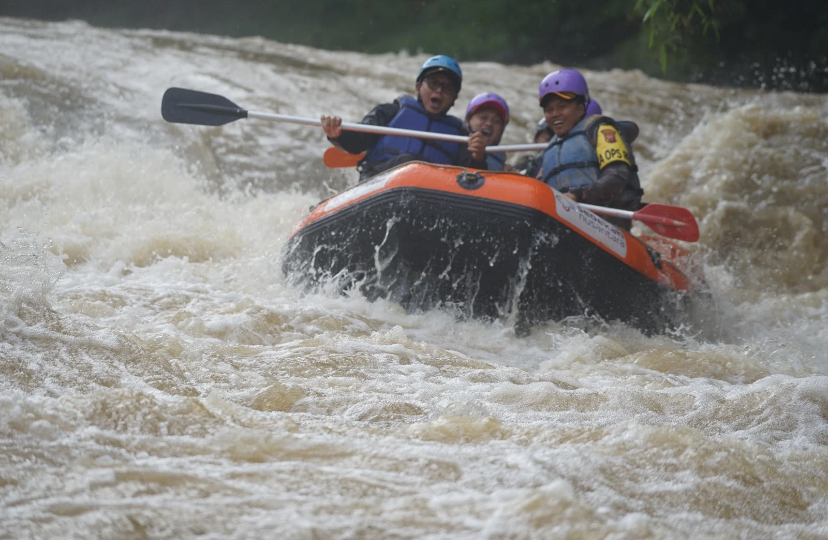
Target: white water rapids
158	379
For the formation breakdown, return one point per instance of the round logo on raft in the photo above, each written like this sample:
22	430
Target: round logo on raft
593	226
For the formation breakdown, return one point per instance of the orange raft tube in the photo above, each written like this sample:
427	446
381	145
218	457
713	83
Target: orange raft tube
488	245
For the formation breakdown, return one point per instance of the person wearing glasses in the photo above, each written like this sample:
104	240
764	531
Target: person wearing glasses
436	89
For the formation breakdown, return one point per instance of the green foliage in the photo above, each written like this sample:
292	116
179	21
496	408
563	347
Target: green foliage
746	42
669	24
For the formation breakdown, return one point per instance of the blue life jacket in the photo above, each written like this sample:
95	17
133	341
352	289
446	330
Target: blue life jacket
570	161
412	115
495	162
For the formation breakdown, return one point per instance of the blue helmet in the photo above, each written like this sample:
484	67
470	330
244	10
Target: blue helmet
442	63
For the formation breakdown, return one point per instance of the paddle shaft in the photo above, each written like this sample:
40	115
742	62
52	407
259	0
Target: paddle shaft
383	130
628	214
364	128
502	149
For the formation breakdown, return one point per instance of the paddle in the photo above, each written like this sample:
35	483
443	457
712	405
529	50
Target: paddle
183	106
670	221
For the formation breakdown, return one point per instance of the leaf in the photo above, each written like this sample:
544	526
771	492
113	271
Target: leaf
662	57
674	22
652	11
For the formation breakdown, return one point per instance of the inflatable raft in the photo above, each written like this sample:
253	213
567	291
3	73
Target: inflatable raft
487	245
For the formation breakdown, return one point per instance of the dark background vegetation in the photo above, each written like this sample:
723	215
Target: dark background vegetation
757	43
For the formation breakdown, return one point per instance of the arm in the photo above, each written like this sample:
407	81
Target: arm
355	142
609	185
473	155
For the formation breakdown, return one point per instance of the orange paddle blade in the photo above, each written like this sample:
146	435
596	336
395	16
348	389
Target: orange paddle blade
338	159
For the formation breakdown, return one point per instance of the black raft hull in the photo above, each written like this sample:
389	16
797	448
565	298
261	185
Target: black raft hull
487	246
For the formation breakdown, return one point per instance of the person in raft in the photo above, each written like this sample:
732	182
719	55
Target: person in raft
436	89
529	164
628	128
488	114
588	158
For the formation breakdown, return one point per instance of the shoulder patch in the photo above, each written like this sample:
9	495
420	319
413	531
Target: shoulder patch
610	147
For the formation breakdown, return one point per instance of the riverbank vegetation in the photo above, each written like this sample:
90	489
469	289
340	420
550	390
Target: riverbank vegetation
755	43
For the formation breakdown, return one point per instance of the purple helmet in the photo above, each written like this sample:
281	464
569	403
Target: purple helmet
562	83
488	100
593	107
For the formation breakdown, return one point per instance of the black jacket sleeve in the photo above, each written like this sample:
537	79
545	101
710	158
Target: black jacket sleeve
355	142
610	184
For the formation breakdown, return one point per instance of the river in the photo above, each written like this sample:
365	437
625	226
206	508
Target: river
158	378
